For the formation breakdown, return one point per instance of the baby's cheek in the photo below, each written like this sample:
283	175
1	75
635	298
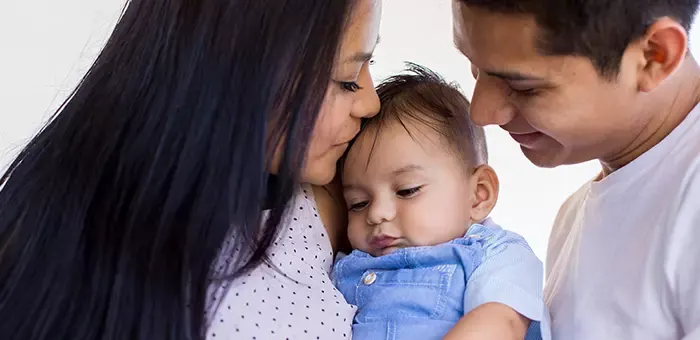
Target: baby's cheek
357	232
431	229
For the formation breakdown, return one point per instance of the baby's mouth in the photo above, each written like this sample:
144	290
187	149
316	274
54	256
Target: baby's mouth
384	244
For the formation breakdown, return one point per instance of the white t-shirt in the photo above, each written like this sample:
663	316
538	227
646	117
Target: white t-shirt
624	254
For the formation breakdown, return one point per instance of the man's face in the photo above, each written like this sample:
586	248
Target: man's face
558	108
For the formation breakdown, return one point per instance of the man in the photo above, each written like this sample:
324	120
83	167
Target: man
611	80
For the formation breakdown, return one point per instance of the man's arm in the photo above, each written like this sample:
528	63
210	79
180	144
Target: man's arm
490	321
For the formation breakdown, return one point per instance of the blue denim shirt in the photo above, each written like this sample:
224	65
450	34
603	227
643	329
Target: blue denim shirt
421	292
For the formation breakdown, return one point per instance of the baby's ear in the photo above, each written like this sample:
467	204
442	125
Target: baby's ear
483	185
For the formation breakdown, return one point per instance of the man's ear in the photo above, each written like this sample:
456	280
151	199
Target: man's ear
484	190
660	52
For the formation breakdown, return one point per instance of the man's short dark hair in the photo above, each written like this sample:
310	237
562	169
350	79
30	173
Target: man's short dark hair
600	30
421	95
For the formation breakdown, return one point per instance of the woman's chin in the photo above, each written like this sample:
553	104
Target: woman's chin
319	176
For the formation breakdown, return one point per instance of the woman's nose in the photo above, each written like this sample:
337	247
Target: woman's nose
366	104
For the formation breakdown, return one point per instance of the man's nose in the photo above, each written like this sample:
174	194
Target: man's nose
490	104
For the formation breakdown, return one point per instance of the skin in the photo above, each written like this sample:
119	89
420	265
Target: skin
490	321
339	120
559	108
411	188
350	96
408	184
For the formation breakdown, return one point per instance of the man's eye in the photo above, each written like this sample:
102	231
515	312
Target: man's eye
523	92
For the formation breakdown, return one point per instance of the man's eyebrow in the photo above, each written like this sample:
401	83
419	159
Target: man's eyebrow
362	57
511	76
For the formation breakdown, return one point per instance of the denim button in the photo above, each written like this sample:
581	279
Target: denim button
370	278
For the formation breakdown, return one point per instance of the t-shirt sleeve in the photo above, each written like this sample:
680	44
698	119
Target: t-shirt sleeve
683	261
510	273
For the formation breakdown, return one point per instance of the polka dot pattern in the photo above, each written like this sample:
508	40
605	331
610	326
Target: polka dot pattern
292	297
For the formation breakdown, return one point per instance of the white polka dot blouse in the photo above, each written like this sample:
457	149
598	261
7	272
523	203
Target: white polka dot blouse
292	298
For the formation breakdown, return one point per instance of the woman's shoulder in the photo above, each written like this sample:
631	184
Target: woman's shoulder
291	294
329	202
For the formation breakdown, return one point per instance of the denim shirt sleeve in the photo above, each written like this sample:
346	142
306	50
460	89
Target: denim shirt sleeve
510	273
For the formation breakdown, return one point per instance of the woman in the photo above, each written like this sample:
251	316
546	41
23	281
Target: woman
137	212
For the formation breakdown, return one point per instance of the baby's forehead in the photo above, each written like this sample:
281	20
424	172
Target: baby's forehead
390	144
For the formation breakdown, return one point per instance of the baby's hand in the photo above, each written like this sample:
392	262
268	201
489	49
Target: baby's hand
490	321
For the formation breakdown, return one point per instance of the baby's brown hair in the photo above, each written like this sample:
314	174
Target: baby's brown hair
423	96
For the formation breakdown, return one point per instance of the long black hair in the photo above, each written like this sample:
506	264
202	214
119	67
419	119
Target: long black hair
112	216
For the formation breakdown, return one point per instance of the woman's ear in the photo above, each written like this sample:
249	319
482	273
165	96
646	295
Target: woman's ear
483	185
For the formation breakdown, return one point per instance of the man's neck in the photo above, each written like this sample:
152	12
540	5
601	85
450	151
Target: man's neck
674	104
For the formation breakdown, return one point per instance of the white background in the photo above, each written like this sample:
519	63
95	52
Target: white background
47	45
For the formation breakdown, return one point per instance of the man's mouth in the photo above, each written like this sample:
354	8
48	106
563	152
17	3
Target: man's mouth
527	140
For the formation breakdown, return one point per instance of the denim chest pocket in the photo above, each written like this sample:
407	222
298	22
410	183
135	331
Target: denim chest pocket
404	293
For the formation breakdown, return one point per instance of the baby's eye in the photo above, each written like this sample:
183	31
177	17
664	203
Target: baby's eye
406	193
358	206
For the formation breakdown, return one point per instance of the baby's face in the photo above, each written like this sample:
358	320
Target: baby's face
404	190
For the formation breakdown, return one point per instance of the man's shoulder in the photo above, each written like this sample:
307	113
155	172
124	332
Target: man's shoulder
569	210
564	222
682	256
691	180
686	204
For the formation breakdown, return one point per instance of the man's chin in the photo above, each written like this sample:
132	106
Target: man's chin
544	158
555	156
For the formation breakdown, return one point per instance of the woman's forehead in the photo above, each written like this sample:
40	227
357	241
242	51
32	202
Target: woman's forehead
362	33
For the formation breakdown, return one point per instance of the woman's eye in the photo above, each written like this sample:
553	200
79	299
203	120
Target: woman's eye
405	193
358	206
350	86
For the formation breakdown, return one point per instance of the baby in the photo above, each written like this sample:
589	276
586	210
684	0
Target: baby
428	262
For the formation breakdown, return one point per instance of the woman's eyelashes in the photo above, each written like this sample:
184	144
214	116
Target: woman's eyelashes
350	86
353	86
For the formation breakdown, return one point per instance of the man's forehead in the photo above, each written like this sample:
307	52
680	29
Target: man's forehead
492	39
